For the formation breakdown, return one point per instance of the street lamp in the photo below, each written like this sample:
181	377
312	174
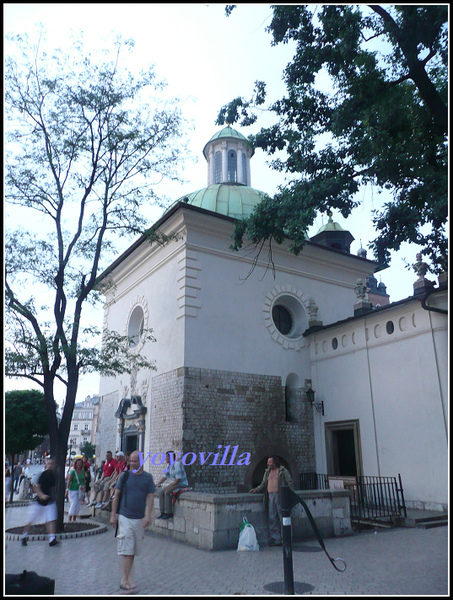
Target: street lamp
310	396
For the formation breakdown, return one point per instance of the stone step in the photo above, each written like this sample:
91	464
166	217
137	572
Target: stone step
431	524
418	518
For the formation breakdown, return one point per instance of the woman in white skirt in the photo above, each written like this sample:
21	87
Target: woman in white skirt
75	488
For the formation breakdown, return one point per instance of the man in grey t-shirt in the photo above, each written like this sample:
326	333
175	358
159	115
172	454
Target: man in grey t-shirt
134	495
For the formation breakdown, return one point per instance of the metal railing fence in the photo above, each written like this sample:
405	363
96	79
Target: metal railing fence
373	499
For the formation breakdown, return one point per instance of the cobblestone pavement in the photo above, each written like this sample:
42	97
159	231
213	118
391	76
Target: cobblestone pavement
389	562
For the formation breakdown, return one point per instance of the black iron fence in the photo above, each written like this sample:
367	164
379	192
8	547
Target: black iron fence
313	481
373	499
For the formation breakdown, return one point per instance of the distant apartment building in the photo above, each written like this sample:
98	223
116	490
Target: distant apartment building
83	424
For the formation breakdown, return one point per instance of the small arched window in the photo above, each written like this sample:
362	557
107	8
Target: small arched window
244	168
218	167
135	326
232	166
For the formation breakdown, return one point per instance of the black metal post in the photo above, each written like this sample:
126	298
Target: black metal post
285	507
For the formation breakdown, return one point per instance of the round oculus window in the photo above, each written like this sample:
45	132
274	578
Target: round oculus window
289	316
282	319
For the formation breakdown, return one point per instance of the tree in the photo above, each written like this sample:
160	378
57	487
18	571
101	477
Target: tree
383	121
85	138
25	422
88	449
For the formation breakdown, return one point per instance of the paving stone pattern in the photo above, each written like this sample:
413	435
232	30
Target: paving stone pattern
407	561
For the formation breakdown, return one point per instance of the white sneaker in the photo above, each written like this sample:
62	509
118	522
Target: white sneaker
98	505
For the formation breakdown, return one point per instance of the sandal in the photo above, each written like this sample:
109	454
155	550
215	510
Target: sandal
127	586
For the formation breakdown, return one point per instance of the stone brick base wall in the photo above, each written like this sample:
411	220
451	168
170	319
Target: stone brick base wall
212	521
165	417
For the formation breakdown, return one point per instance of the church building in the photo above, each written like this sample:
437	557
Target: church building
285	355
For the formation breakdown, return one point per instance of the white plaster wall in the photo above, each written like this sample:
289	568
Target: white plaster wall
390	382
149	277
228	331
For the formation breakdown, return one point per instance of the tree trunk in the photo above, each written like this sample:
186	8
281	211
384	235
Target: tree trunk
61	486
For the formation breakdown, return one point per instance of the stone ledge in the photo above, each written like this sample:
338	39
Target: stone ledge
258	498
212	521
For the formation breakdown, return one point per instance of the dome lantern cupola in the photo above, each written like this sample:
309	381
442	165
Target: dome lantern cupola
334	236
228	153
228	192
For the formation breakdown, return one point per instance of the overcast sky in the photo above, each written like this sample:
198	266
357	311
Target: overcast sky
206	59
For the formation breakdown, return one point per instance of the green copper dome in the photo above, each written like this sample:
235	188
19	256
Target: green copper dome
334	236
330	226
228	132
232	200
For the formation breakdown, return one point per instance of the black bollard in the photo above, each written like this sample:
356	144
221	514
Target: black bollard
285	507
288	500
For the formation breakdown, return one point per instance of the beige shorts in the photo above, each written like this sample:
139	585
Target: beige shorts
130	536
102	486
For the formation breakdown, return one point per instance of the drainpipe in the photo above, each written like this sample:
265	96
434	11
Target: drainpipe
436	360
370	383
423	300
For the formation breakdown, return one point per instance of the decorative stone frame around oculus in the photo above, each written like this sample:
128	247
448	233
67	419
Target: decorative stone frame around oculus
297	304
137	319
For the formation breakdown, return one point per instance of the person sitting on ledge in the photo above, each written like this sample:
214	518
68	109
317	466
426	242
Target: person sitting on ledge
177	477
102	484
110	490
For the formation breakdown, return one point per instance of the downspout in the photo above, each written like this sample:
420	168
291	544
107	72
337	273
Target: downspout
371	396
321	429
436	361
423	300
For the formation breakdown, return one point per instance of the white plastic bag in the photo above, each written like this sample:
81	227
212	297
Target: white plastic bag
247	537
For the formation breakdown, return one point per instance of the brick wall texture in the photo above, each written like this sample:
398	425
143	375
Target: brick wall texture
197	410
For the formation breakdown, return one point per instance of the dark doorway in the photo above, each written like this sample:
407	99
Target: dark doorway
345	450
131	443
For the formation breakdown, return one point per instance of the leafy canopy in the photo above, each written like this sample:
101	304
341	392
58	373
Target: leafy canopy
25	420
380	119
88	449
